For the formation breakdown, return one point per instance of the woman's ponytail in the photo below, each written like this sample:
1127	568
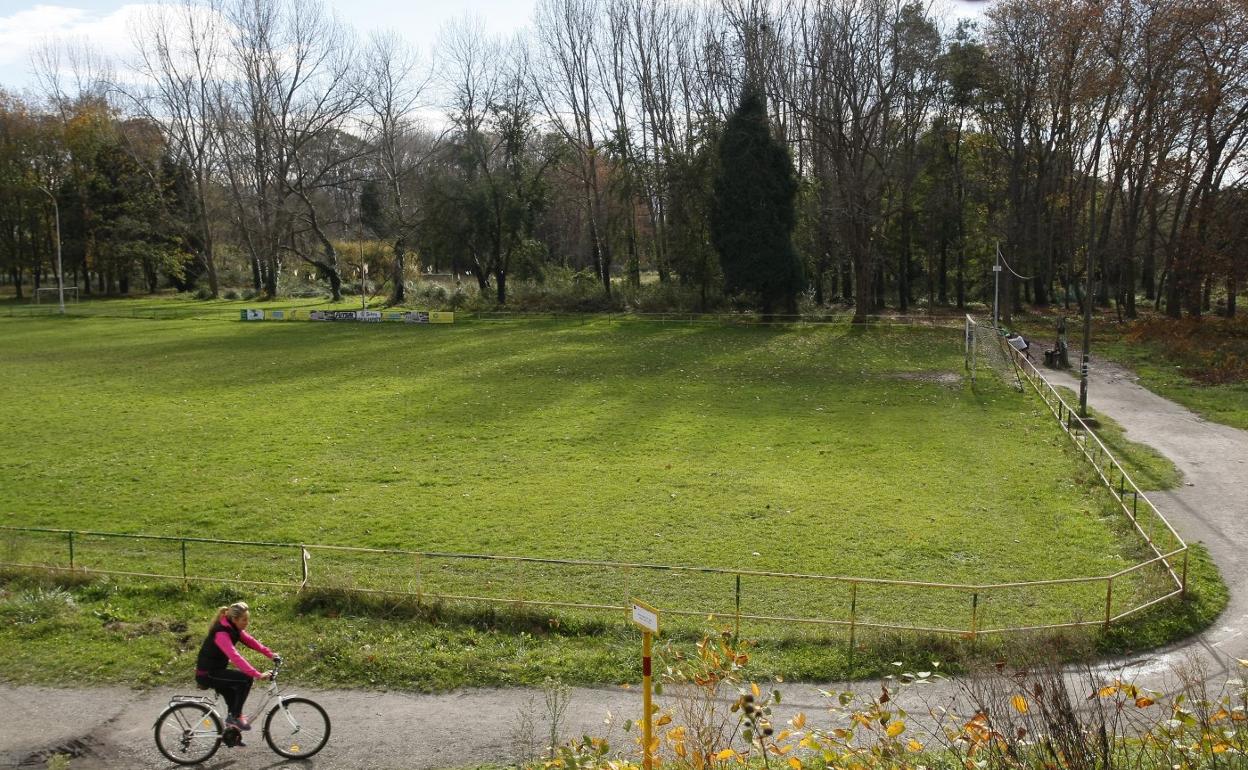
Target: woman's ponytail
217	617
233	612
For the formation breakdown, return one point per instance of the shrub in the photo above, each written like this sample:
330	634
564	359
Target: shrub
36	604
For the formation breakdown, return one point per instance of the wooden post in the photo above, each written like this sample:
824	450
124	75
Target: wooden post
737	635
303	561
1183	586
974	617
71	550
185	587
853	617
1109	600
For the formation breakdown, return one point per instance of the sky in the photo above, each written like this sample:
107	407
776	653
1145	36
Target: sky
107	24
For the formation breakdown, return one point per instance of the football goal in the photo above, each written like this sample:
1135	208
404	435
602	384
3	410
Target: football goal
42	294
984	348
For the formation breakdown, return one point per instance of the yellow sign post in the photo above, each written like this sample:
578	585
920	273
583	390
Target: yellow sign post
647	618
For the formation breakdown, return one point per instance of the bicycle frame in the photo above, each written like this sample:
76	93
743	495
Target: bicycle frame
217	704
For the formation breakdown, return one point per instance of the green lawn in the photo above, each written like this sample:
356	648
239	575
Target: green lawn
824	450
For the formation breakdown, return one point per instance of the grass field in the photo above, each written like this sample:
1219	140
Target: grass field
825	450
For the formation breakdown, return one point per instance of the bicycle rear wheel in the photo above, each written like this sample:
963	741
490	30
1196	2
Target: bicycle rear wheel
188	733
296	728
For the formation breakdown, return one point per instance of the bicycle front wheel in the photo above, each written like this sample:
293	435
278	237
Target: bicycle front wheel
296	728
188	733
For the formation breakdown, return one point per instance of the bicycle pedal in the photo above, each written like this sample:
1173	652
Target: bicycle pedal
232	737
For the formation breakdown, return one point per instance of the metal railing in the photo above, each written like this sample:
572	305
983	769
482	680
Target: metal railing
1107	467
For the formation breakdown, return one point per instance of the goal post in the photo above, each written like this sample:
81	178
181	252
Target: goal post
70	291
984	348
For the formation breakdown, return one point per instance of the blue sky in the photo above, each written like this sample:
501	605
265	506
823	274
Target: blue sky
107	23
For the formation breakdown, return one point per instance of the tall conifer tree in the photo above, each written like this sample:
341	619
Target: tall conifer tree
752	209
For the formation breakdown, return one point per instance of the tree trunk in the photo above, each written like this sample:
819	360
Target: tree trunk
398	286
335	283
959	279
270	279
942	273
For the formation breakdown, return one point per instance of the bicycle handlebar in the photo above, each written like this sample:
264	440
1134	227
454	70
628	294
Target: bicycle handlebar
277	666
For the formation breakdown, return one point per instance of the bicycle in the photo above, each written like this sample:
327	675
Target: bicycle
192	728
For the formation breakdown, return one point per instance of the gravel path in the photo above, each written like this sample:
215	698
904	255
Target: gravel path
111	727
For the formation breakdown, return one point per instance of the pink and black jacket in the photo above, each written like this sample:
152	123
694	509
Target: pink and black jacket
217	652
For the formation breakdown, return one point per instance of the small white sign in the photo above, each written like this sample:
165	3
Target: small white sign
645	616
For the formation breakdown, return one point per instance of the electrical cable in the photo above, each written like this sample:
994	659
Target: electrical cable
1014	272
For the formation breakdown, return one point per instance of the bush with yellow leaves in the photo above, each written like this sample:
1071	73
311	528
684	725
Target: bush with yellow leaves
1040	717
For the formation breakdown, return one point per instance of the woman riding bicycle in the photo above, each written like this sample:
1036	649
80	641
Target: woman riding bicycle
212	669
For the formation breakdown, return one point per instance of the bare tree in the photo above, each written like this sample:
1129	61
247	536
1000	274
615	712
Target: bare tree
565	84
181	49
283	119
392	92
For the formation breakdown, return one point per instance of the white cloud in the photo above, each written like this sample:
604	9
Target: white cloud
21	33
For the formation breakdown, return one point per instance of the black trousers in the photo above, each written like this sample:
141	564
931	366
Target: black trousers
234	686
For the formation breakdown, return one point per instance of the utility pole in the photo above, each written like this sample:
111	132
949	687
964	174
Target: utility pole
996	288
60	275
1087	335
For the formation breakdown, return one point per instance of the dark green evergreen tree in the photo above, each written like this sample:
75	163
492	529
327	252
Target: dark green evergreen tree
753	209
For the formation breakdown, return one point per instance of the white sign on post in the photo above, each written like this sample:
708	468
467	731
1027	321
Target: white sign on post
646	616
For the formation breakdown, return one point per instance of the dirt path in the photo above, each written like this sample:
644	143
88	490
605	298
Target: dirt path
112	727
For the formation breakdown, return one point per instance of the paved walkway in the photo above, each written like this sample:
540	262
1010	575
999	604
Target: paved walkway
111	727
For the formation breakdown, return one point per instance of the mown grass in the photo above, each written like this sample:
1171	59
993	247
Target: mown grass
1149	468
70	629
824	450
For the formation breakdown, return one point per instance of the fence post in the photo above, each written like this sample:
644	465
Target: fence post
303	562
1183	586
736	636
71	550
185	587
419	591
1109	599
974	616
853	618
